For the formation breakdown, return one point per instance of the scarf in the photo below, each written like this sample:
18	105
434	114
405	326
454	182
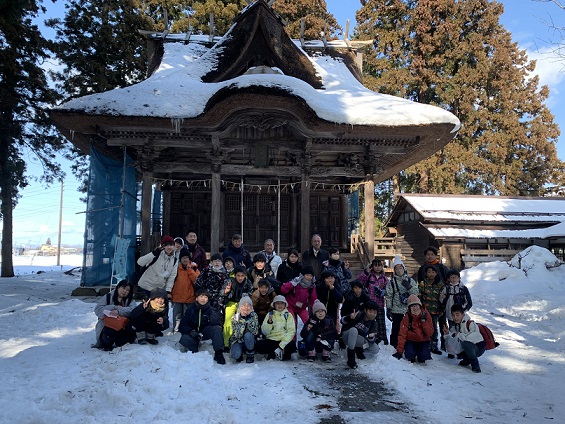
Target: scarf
192	247
305	284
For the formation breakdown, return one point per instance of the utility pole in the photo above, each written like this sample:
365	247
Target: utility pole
60	226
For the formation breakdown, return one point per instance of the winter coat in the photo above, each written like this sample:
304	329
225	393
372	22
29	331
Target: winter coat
282	329
288	271
198	317
429	295
150	316
464	333
316	262
364	326
324	328
197	255
183	289
241	325
237	289
214	282
342	274
299	295
274	261
161	274
414	329
330	298
255	275
353	303
262	304
395	289
105	304
239	254
375	286
455	295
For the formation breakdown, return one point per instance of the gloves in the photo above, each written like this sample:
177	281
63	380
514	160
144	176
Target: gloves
406	283
380	292
279	353
194	334
397	355
294	282
389	314
157	252
312	322
423	317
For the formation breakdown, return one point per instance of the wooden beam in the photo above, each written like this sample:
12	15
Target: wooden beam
305	213
147	189
216	210
369	195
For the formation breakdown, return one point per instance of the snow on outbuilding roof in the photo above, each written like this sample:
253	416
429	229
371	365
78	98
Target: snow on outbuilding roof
557	230
487	208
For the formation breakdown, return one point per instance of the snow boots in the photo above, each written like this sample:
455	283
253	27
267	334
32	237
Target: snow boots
359	353
250	357
141	337
351	358
150	338
219	357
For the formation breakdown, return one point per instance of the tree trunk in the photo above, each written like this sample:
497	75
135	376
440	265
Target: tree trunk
6	208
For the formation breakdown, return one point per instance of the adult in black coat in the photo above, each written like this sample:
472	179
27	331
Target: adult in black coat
315	256
202	322
236	250
151	317
330	293
290	268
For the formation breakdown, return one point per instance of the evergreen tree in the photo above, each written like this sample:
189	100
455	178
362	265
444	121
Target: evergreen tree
315	14
25	127
457	55
99	45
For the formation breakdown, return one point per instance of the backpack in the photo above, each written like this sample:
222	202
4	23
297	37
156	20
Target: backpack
490	342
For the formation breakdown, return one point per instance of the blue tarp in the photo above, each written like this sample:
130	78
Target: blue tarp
104	206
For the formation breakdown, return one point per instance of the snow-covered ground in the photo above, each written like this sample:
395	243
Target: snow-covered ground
50	373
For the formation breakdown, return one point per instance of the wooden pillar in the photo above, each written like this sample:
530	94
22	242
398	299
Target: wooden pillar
305	213
216	212
369	195
293	225
146	193
344	227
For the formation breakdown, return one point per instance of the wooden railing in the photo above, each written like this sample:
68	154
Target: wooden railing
487	255
385	249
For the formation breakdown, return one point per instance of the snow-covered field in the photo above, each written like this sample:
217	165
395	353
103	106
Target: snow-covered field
50	373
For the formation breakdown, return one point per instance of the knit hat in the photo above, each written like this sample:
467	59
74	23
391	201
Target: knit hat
307	270
279	298
184	252
244	300
240	268
264	282
203	292
229	259
167	239
179	240
318	306
216	256
413	300
397	261
155	293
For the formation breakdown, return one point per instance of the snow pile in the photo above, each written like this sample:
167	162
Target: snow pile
50	373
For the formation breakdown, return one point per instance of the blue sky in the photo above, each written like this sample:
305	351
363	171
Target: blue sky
36	217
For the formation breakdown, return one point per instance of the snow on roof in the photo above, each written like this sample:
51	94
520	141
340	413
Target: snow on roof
176	90
488	208
557	230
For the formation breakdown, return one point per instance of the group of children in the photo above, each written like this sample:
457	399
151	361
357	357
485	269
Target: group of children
246	311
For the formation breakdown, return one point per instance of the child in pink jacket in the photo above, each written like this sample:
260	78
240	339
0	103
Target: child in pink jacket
300	293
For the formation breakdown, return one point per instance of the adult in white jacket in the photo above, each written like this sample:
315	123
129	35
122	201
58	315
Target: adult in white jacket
162	266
